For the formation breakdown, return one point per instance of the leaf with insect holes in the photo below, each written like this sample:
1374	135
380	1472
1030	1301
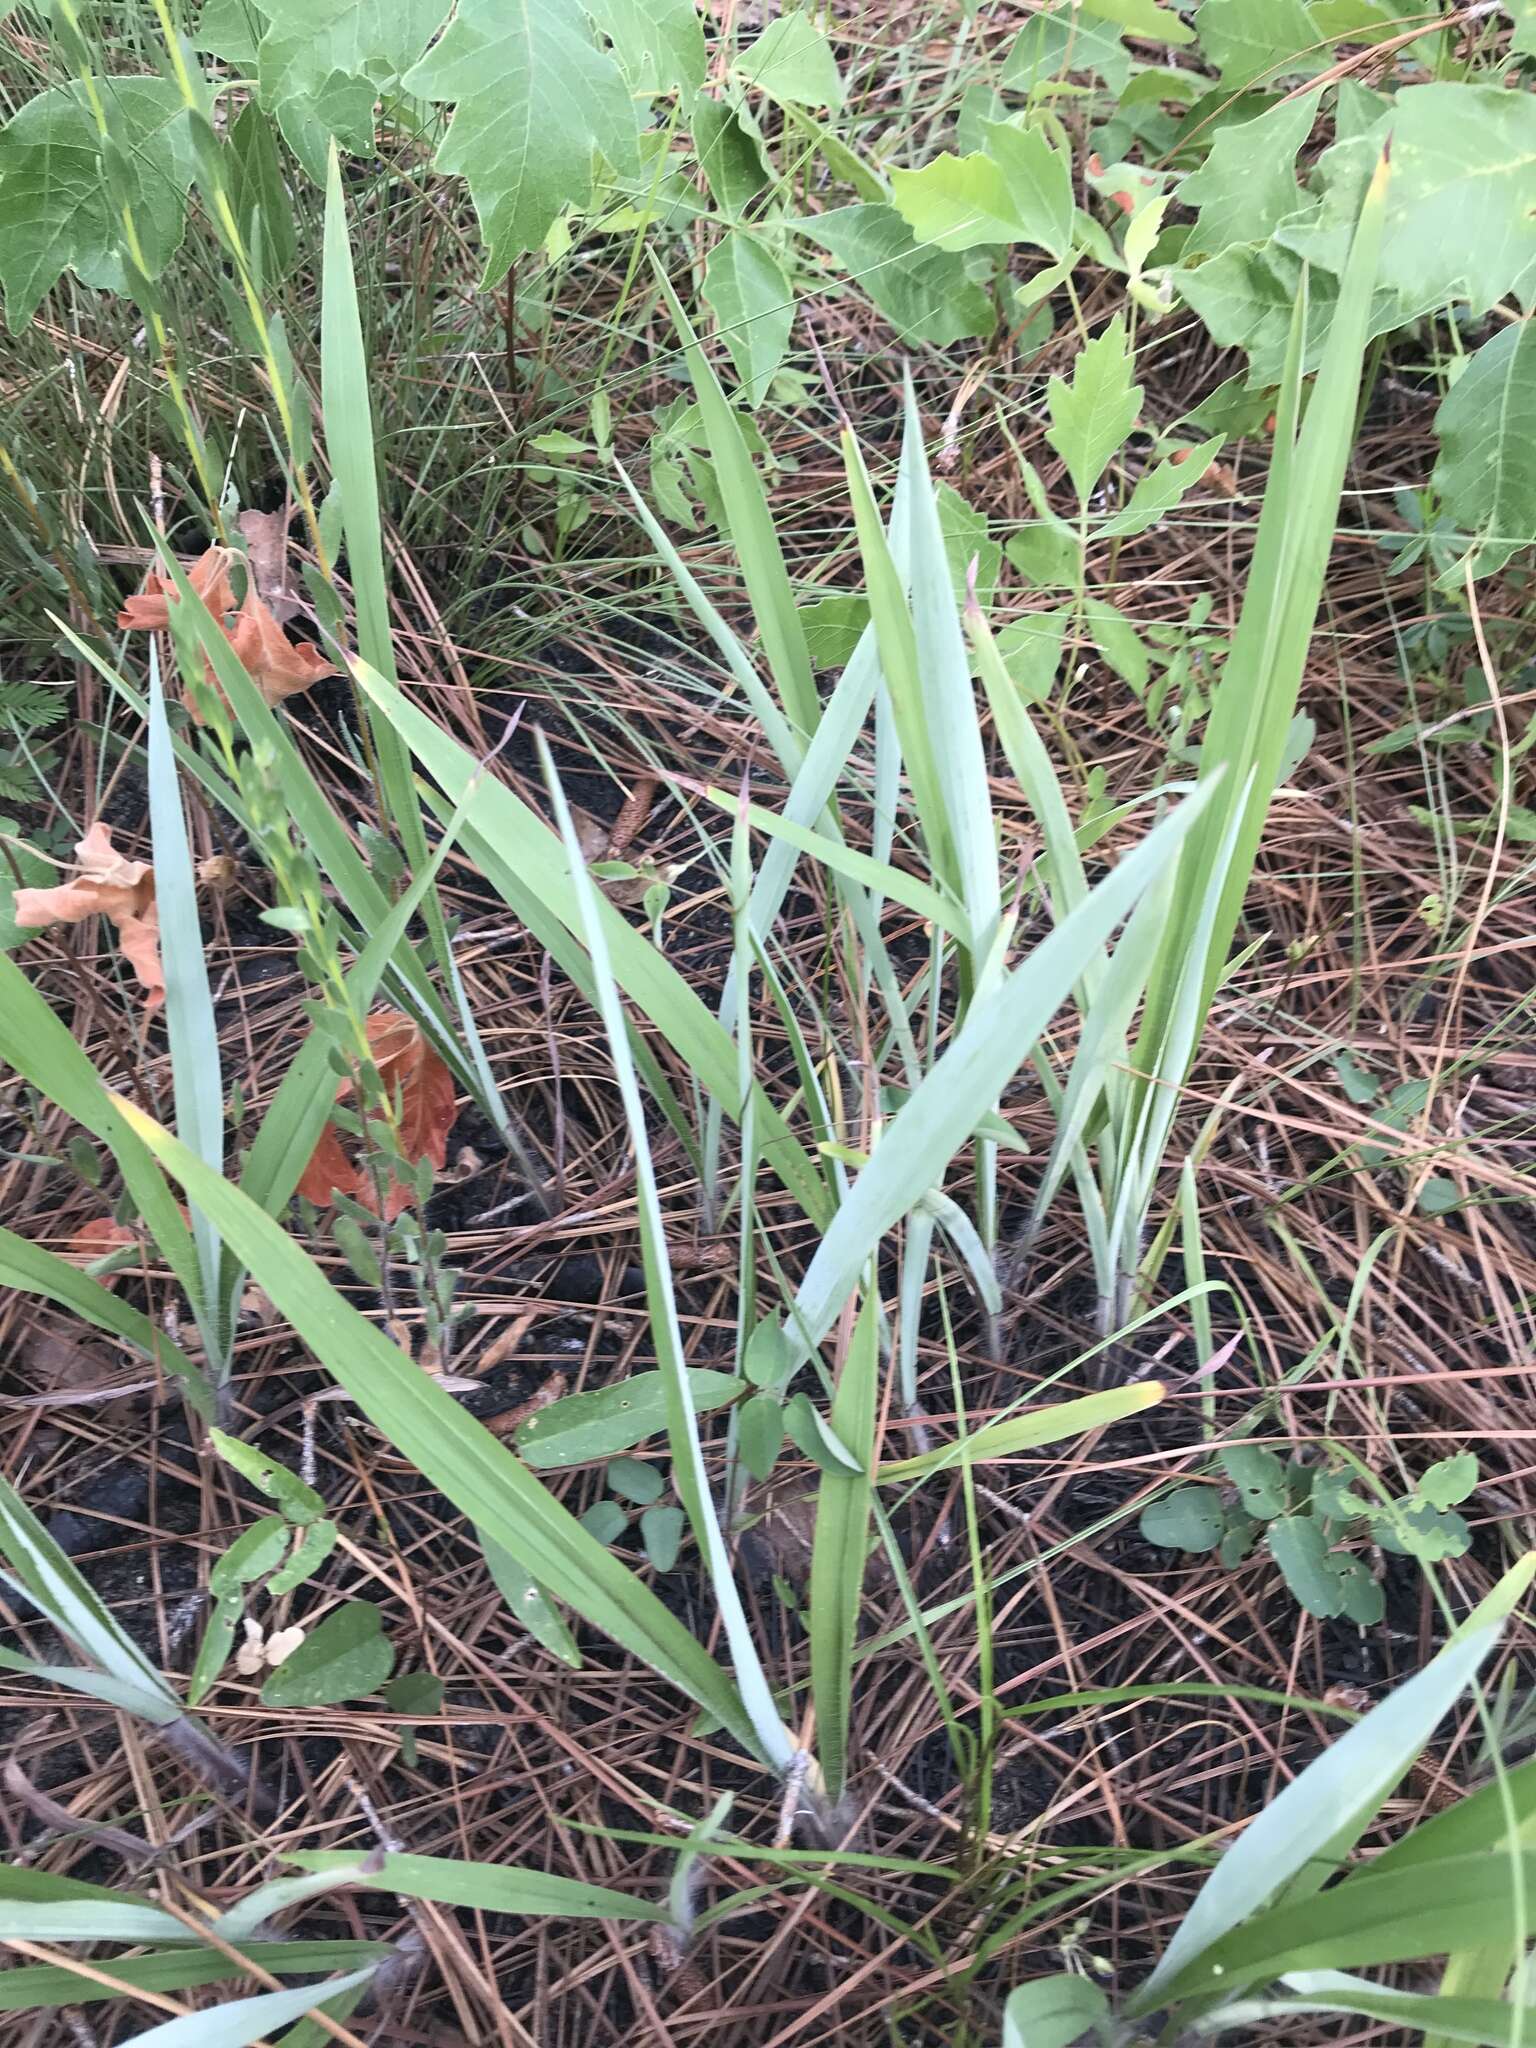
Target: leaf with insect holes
345	1657
1091	416
1486	426
1189	1518
1259	1477
1447	1484
754	303
62	204
792	62
1460	219
1415	1528
926	293
605	1421
422	1089
1298	1546
534	99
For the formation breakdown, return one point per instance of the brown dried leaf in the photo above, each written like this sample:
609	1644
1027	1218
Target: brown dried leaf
422	1085
278	666
110	886
149	610
266	542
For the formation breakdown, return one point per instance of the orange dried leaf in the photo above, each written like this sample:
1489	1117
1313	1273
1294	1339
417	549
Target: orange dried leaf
278	666
107	885
94	1240
208	576
418	1082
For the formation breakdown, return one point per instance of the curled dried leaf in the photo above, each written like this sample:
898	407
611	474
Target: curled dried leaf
149	610
108	885
94	1240
418	1082
278	666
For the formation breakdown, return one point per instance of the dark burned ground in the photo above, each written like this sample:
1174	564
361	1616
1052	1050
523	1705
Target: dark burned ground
531	1763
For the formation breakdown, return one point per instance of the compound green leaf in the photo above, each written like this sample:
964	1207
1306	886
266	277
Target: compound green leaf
535	98
924	292
1486	470
322	63
754	303
1091	416
793	61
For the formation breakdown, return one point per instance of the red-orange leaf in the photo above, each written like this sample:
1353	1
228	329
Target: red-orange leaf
414	1078
208	576
94	1240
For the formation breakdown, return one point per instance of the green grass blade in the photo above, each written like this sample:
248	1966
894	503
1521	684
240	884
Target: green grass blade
482	1887
246	2020
966	1081
688	1474
1028	1432
196	1077
752	532
529	851
46	1985
840	1546
452	1451
38	1045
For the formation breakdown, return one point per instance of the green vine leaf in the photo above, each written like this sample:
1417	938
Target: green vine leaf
754	303
1091	416
322	63
1486	471
792	62
1247	185
535	99
1459	223
924	292
59	208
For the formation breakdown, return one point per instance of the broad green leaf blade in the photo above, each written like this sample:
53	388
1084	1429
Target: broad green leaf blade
1055	2012
754	304
34	1985
1367	1920
196	1078
1037	1426
1091	416
964	1083
346	1657
925	293
604	1421
483	1887
321	63
1486	469
752	531
1247	184
245	2020
959	203
1335	1796
1457	221
792	61
535	99
840	1547
451	1450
